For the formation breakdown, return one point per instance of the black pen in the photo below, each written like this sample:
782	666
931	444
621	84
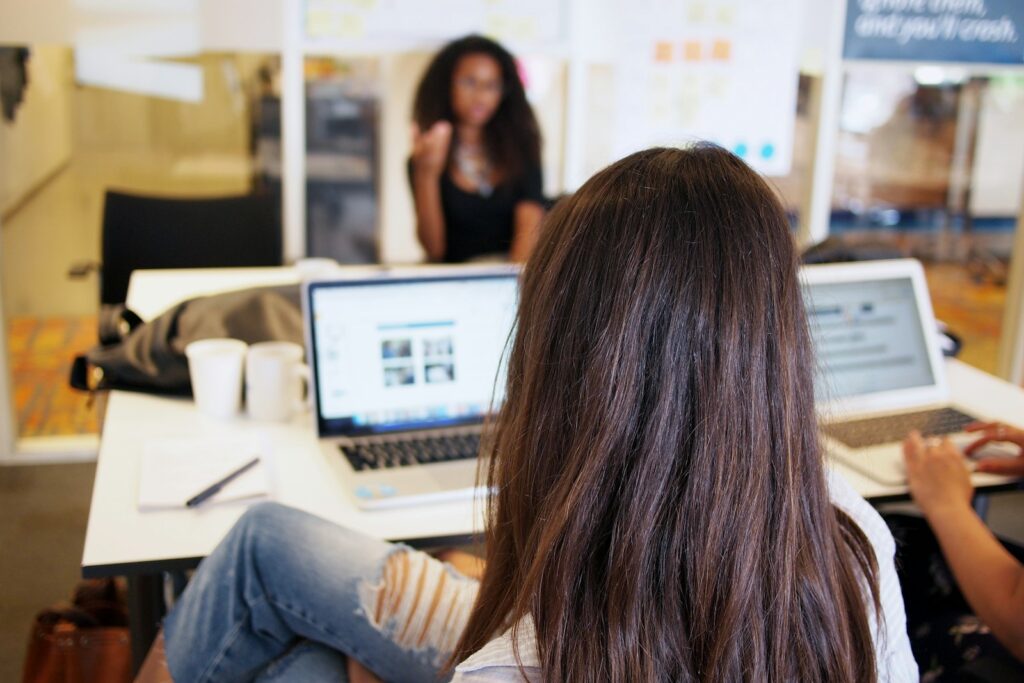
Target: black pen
218	485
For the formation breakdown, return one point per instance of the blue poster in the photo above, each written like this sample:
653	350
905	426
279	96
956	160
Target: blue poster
980	31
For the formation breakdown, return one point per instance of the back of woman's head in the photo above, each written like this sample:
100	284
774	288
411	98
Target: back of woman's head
661	509
512	136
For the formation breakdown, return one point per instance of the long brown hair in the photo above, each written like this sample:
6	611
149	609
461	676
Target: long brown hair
661	508
512	137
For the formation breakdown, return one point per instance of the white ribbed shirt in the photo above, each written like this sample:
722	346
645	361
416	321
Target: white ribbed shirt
496	661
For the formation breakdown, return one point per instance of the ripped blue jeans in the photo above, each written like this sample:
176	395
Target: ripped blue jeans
287	596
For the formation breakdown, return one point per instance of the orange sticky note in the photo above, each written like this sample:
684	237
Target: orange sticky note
691	51
721	50
663	51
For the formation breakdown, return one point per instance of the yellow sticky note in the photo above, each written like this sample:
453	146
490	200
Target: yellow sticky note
721	50
663	51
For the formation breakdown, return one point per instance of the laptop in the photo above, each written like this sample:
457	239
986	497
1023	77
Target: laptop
405	369
880	372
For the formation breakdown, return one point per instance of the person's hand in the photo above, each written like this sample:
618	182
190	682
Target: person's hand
430	148
997	431
937	474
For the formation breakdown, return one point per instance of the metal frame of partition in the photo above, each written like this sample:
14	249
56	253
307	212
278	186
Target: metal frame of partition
1011	348
8	427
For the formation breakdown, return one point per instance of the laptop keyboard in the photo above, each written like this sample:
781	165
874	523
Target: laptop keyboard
889	428
383	454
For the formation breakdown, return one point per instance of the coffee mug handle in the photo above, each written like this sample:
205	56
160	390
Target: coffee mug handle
305	401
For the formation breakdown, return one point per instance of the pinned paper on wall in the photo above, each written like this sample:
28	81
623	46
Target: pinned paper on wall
406	23
726	71
131	45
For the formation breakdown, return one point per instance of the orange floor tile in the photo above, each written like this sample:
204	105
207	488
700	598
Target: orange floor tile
41	353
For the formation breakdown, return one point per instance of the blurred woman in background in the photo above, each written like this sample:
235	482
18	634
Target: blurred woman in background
475	168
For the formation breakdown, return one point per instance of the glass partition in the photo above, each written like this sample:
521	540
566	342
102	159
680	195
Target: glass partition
63	145
929	164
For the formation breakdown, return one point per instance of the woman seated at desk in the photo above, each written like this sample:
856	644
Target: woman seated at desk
662	510
475	168
987	575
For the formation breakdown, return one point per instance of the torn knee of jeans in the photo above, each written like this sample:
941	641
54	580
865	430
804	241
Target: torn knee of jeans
418	602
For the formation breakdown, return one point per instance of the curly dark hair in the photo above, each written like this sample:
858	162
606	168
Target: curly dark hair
512	136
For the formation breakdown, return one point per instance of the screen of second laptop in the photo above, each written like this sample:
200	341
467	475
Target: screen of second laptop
868	337
408	354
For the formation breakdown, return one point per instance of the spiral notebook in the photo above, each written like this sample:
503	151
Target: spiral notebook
173	470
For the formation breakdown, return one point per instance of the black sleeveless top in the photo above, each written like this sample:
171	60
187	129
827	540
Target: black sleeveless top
476	225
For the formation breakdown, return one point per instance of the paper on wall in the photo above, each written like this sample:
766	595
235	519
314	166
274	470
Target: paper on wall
726	71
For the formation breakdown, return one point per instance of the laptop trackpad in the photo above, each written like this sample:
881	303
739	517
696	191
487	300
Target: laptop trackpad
415	485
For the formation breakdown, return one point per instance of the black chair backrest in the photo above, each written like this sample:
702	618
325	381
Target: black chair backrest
161	232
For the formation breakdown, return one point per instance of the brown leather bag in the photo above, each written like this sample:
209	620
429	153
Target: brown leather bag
86	642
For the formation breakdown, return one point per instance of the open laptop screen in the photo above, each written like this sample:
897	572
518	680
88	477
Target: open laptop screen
867	336
410	353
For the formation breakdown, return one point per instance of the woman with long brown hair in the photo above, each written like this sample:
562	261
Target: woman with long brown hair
661	508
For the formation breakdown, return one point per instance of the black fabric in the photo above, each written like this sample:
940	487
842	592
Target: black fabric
13	79
476	225
151	356
838	249
949	641
159	232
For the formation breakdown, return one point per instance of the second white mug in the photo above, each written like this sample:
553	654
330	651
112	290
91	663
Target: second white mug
276	381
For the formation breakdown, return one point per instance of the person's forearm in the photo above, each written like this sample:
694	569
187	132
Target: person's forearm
430	226
524	233
990	578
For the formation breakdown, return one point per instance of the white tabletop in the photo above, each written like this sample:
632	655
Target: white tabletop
121	539
151	292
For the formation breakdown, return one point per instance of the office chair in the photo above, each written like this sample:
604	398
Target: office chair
160	232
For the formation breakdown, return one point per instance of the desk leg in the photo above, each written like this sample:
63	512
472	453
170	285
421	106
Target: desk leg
145	610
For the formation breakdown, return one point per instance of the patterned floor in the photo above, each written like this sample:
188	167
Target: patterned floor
973	310
41	353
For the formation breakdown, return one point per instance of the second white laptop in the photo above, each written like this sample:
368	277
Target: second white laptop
405	370
880	371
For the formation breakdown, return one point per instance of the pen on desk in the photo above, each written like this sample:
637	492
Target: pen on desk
218	485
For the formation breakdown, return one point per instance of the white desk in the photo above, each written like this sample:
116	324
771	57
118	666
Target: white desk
122	540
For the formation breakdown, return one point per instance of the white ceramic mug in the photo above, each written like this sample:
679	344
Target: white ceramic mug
276	381
215	368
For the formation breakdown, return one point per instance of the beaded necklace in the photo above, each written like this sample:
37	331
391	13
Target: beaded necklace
473	164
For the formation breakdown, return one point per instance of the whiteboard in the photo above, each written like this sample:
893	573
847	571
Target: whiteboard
726	71
402	24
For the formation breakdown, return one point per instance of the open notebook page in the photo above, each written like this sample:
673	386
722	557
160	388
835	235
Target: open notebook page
173	470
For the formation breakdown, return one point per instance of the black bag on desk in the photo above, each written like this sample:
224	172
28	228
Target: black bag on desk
150	356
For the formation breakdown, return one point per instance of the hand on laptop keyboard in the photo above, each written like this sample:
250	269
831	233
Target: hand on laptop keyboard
997	448
937	474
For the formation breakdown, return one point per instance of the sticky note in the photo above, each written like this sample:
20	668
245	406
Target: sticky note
691	51
663	51
721	50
